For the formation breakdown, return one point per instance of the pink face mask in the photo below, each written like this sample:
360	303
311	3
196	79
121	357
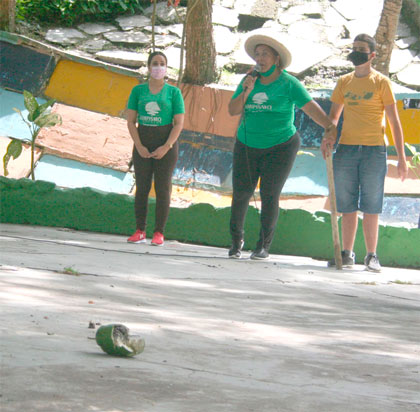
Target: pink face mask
158	72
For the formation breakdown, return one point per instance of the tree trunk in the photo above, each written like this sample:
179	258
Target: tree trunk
7	15
200	67
385	34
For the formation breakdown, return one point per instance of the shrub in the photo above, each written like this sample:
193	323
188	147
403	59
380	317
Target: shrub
69	12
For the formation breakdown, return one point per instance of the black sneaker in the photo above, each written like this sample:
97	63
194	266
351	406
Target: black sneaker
372	263
235	250
347	258
260	254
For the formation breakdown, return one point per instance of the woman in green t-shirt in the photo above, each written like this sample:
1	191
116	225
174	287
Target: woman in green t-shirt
267	140
155	120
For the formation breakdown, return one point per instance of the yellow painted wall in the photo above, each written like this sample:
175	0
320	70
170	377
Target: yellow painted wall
410	121
99	90
89	87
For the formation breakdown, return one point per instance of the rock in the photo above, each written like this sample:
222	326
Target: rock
308	30
366	10
64	36
309	9
175	29
163	41
265	9
403	30
166	14
96	28
241	62
334	34
305	54
334	19
230	4
133	22
318	32
365	25
173	54
94	45
158	29
225	40
338	63
410	75
78	52
225	17
400	59
406	42
222	61
248	22
272	25
286	19
134	38
124	58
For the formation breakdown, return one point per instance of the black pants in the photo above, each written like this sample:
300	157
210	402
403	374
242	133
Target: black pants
273	166
160	170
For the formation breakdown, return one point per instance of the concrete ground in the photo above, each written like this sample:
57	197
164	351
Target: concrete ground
221	335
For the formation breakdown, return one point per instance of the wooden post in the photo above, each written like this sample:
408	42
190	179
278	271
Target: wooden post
333	206
7	15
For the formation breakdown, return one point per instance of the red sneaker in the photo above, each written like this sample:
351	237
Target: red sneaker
138	237
158	239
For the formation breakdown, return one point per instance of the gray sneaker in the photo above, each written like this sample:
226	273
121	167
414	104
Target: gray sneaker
348	258
372	263
235	251
260	254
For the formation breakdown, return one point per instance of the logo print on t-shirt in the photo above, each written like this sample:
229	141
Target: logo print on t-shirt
366	96
259	98
152	108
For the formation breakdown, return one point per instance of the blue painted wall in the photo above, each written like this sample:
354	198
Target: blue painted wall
73	174
11	124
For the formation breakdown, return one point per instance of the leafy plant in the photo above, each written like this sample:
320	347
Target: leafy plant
39	117
414	163
69	12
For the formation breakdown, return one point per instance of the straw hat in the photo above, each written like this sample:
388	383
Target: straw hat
267	37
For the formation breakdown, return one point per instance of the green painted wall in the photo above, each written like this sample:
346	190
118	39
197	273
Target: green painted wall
298	232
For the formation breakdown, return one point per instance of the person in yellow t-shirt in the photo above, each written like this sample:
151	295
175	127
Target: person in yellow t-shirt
359	160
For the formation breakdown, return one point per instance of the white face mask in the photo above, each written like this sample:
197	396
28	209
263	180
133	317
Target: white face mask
158	72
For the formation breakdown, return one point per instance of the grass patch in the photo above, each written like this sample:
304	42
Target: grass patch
400	282
70	271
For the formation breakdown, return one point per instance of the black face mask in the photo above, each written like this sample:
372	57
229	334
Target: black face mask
358	58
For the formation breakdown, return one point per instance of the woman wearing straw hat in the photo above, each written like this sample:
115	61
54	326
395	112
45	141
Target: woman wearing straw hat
267	140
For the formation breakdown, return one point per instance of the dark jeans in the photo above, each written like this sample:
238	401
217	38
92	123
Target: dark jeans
160	170
273	166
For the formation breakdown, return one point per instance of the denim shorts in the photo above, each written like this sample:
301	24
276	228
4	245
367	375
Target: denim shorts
359	177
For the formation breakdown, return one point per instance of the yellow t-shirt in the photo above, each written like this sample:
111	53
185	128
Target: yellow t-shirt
364	99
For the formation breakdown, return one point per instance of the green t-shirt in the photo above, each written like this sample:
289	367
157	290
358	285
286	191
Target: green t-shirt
270	111
156	109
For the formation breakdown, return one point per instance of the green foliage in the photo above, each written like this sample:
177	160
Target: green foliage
69	12
14	149
70	271
415	159
400	282
39	116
